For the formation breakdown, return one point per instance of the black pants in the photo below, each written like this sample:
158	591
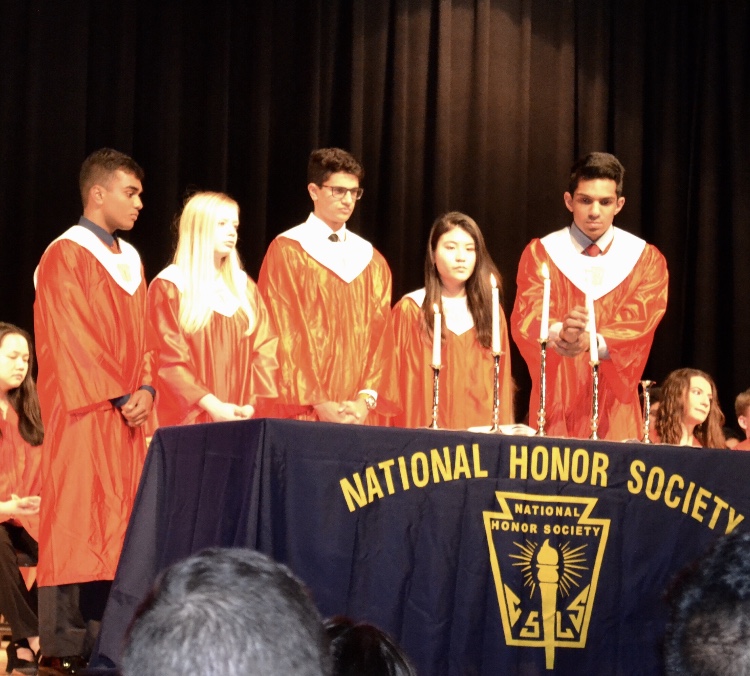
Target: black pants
70	616
17	604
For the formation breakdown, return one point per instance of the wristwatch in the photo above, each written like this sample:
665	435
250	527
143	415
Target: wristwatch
370	401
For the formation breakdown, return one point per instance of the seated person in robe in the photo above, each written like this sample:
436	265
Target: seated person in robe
21	434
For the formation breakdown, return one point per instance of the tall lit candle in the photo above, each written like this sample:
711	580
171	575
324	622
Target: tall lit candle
436	331
495	316
593	348
544	330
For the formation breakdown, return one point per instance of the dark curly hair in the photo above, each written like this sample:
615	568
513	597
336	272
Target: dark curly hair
674	394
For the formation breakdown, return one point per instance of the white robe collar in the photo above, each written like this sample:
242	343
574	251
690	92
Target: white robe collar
222	301
595	275
458	319
348	259
124	268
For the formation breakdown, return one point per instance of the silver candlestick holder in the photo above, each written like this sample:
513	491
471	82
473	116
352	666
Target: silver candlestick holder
541	415
435	396
646	388
496	393
594	400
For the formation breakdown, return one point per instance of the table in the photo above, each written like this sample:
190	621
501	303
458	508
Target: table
456	543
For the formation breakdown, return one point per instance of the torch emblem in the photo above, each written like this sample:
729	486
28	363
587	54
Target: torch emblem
546	553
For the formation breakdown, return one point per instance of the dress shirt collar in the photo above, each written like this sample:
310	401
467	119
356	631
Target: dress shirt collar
316	226
581	241
100	232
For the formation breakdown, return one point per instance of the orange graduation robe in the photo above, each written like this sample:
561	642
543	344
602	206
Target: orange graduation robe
335	333
466	378
220	359
19	468
89	318
630	297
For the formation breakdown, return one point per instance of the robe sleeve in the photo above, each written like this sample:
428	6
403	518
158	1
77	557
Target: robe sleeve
381	342
265	366
167	339
408	364
298	361
629	321
88	373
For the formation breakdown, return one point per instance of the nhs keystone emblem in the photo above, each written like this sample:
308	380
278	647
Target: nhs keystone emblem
546	553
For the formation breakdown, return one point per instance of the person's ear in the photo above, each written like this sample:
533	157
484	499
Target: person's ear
313	190
568	198
742	420
620	204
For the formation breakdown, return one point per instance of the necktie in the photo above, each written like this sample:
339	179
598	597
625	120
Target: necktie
591	250
333	237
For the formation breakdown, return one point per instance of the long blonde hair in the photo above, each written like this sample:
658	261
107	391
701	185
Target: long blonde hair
194	256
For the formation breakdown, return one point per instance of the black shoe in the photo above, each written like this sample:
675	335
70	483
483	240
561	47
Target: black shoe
15	663
52	666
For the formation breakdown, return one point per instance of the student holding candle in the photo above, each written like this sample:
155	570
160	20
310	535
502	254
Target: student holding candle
458	269
627	282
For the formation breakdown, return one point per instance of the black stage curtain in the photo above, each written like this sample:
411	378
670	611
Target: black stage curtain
479	106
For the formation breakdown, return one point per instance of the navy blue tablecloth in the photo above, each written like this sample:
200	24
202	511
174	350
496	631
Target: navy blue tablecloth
459	544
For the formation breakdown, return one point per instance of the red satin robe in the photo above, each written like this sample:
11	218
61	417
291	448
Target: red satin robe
90	341
466	377
335	338
19	469
626	317
219	359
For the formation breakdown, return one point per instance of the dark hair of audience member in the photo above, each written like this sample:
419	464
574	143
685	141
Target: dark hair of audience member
24	398
326	161
674	396
478	289
361	649
597	165
233	612
709	627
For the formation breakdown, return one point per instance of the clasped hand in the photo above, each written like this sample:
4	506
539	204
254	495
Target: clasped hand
347	412
17	506
573	337
136	410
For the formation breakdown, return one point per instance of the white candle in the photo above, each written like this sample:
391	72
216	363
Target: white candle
593	348
437	327
544	330
495	316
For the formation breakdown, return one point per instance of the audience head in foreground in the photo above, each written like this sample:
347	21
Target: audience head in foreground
689	412
709	628
233	612
361	649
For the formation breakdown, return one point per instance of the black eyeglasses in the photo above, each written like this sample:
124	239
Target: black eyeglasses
339	192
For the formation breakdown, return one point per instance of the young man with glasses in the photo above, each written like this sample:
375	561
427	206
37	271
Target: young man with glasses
329	293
